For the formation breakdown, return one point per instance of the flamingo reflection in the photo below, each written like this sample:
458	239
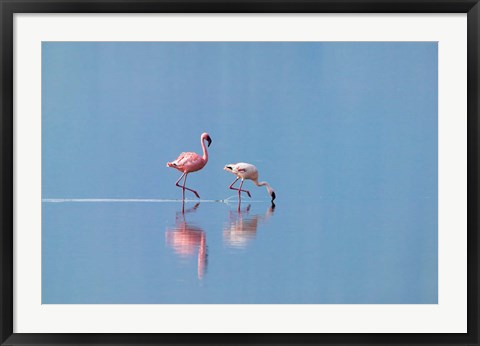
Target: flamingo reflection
186	238
242	227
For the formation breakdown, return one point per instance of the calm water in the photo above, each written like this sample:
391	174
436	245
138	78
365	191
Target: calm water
346	133
323	251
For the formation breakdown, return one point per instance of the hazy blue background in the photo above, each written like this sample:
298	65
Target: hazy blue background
346	133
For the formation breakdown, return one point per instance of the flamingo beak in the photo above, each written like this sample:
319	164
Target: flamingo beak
209	140
273	196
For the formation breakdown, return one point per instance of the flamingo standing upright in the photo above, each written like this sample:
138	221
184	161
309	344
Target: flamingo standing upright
247	171
191	162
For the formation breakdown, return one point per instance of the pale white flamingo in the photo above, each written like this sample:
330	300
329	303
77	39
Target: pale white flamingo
191	162
247	171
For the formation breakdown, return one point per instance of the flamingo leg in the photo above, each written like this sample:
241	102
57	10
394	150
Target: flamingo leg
231	185
185	188
240	189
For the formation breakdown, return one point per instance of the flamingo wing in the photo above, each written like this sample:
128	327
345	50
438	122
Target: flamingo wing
189	161
243	167
179	159
242	170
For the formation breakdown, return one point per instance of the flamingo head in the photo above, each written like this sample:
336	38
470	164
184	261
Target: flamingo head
271	192
273	196
206	136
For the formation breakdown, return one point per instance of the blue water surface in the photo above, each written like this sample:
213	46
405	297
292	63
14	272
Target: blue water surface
345	132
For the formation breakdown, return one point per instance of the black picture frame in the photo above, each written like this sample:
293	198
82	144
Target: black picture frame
10	7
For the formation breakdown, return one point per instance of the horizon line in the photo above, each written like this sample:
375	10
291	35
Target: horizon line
136	200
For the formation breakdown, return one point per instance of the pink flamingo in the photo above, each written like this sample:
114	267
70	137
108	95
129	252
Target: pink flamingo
191	162
247	171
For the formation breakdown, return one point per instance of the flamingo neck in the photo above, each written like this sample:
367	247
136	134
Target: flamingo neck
263	183
205	152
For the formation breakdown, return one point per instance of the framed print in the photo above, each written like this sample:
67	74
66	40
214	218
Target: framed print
235	173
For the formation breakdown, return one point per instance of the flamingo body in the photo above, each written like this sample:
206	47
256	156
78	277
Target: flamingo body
243	170
189	162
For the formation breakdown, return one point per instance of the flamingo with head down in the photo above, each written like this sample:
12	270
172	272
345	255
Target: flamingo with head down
247	171
191	162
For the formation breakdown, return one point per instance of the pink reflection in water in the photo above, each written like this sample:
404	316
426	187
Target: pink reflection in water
186	239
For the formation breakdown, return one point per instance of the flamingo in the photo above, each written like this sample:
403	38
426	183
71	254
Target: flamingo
191	162
247	171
